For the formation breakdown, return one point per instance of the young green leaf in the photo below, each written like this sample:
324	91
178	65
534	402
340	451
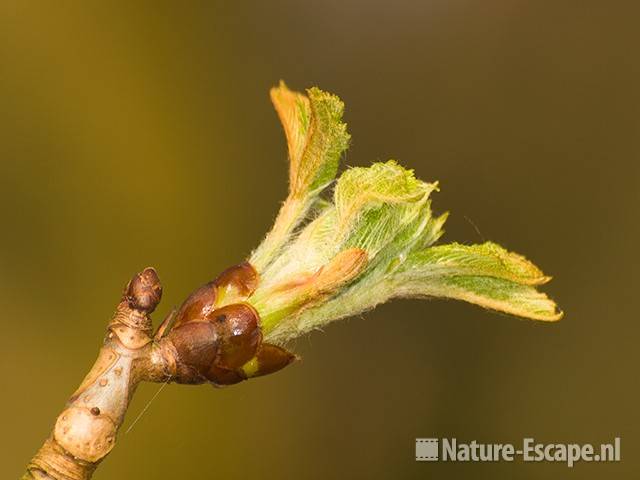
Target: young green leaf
489	292
316	138
488	259
382	211
486	275
372	242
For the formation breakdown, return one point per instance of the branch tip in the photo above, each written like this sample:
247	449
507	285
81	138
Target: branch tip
144	291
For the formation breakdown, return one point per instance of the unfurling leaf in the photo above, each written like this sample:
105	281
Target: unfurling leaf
488	260
326	140
372	242
488	292
316	138
486	275
307	289
294	112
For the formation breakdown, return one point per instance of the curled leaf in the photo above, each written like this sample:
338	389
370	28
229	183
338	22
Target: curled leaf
294	112
316	138
309	288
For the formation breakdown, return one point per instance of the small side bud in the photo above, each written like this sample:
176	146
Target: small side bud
144	291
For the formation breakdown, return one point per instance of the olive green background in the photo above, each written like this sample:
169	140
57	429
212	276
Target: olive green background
135	134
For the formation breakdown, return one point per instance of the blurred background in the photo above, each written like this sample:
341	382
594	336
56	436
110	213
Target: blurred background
141	133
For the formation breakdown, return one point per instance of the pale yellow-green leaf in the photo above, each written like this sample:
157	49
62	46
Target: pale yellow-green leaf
316	139
488	292
374	241
382	208
487	259
486	275
327	140
375	204
316	136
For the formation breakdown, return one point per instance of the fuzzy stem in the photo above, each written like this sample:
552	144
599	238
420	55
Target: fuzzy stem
293	210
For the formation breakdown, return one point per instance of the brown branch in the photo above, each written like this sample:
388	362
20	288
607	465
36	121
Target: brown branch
216	338
85	431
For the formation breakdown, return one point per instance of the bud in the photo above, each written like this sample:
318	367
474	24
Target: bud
269	359
199	305
236	283
272	358
144	291
212	347
239	333
196	344
222	377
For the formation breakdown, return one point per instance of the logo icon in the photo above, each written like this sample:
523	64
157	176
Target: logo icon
426	449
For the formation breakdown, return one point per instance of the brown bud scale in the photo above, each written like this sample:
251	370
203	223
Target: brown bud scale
214	338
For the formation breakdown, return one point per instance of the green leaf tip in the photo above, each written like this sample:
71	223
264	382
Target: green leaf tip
486	275
487	259
316	138
372	241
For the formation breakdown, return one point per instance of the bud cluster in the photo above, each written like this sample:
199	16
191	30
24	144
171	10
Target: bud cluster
217	336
